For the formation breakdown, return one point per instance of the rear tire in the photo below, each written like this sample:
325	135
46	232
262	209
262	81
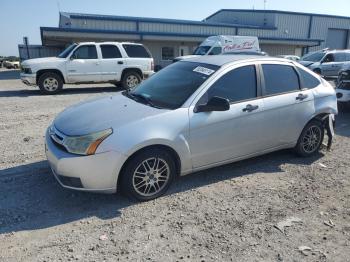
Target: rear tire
131	80
310	139
50	83
148	175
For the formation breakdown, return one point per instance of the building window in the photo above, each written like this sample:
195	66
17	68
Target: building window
168	53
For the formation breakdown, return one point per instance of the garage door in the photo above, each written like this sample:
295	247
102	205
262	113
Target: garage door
337	38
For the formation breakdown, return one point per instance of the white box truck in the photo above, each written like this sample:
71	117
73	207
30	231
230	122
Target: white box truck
220	44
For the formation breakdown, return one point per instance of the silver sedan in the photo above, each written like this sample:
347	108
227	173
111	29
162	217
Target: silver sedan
192	115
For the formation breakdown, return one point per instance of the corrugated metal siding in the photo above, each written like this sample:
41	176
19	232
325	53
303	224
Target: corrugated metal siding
288	26
104	25
65	21
186	29
37	51
244	18
321	25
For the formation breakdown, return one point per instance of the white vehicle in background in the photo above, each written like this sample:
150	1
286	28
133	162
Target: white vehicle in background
107	62
11	64
222	44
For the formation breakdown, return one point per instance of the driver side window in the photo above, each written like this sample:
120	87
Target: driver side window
237	85
216	51
85	52
329	58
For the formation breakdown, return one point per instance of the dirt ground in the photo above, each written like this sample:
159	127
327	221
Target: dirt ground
230	213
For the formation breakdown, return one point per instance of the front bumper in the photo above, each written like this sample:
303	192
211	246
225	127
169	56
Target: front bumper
28	79
147	74
95	173
343	95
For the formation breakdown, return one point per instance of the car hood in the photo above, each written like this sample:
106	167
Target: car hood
44	60
102	113
306	63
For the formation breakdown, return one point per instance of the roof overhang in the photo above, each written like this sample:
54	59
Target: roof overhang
52	36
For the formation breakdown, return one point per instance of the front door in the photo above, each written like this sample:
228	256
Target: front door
84	65
184	50
219	136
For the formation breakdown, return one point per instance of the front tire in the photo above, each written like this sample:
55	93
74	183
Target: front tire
148	174
131	80
310	139
50	83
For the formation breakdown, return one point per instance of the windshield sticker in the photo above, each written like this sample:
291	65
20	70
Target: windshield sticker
203	70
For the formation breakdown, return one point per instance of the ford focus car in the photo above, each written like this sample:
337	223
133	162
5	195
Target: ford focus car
193	115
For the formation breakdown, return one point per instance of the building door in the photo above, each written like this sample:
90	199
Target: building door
184	50
337	38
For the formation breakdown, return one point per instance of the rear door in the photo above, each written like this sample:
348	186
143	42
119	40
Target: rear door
138	57
287	105
84	65
328	65
112	63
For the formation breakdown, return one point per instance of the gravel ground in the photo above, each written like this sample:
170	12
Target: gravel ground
228	213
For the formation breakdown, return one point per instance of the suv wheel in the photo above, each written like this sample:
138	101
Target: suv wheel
50	83
310	139
131	80
148	175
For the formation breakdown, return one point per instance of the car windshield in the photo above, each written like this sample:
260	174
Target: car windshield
67	51
201	50
173	85
315	57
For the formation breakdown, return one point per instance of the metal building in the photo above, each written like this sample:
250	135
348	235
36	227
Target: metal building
279	32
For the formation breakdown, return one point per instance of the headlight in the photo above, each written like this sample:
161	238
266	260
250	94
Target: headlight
26	70
86	145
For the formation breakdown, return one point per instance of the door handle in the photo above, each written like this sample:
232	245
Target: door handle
250	108
120	62
301	97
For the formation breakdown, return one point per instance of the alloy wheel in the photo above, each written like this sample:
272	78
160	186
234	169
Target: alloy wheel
50	84
151	176
132	81
312	139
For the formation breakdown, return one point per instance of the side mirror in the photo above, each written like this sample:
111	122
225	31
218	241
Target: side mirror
214	104
72	57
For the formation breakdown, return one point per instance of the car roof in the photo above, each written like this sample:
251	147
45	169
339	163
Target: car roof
220	60
92	43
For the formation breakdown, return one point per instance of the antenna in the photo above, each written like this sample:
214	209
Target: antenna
58	6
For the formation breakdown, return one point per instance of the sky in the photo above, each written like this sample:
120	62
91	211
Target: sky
20	18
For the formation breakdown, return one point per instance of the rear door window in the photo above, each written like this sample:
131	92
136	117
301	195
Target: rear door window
85	52
110	52
339	57
237	85
280	79
307	80
138	51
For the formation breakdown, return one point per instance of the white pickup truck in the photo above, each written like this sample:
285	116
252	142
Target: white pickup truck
107	62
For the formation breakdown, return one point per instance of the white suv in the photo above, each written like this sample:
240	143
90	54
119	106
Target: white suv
107	62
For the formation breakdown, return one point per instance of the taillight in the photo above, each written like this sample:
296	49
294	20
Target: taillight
152	65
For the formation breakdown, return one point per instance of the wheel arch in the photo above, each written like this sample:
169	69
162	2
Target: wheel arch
40	72
132	69
167	148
